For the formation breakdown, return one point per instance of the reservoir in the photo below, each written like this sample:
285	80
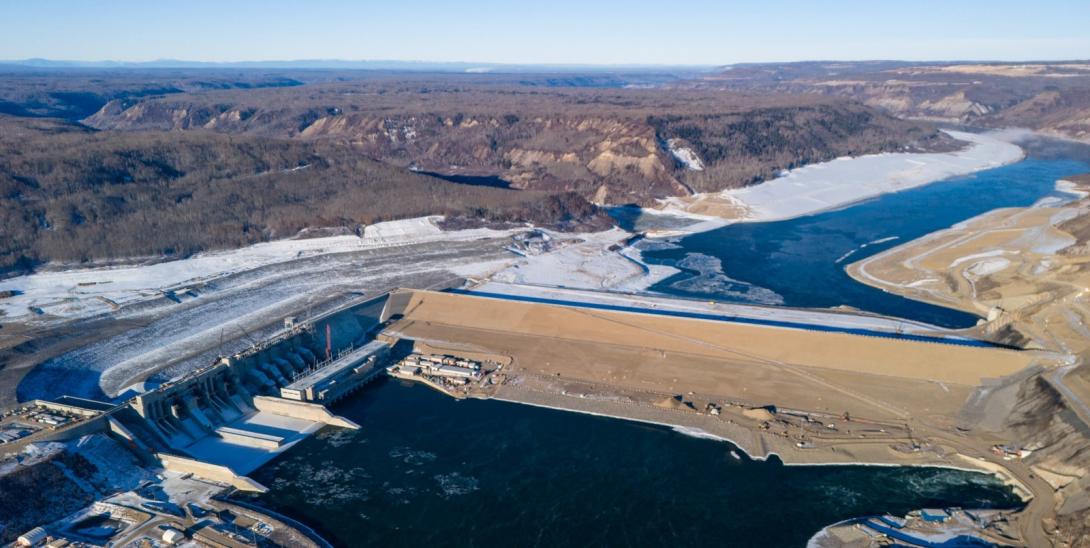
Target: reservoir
800	262
427	470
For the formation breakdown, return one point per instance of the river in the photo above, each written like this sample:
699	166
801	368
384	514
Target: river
800	262
428	470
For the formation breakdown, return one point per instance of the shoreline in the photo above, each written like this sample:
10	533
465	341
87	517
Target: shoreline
85	291
828	186
1016	486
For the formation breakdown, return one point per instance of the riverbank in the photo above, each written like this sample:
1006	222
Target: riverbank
760	443
844	181
66	292
1025	270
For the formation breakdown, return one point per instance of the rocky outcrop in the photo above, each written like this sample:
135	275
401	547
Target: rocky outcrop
1042	421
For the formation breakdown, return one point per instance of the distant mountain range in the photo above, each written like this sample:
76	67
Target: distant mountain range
341	64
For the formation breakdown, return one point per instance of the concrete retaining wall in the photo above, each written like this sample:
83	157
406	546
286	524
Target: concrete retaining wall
301	410
208	471
251	439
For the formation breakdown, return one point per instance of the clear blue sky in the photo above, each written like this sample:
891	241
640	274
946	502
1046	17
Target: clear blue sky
544	31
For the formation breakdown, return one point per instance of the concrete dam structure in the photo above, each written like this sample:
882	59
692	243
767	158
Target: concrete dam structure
224	420
231	413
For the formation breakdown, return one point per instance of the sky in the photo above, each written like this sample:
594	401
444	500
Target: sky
545	31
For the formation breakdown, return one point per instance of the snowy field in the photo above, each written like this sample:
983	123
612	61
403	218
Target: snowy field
83	292
829	185
587	262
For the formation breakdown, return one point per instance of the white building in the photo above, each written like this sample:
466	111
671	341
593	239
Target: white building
32	537
173	536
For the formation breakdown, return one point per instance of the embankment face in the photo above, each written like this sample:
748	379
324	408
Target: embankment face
871	376
722	339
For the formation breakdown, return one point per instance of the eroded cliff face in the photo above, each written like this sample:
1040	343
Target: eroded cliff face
1060	442
617	147
612	160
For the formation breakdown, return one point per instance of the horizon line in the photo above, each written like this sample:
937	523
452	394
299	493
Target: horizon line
42	62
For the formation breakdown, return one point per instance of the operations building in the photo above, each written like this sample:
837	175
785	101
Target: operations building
339	377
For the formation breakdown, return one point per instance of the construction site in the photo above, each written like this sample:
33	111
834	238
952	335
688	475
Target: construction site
1025	271
637	362
810	387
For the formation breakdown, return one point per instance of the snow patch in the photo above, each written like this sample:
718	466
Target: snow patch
598	260
685	155
987	267
698	433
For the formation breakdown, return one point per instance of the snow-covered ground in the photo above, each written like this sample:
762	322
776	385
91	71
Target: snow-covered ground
83	292
586	261
671	303
828	185
806	190
685	155
194	309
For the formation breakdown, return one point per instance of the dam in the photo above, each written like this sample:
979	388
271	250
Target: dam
535	345
648	353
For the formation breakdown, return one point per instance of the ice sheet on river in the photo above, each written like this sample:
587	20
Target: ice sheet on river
828	185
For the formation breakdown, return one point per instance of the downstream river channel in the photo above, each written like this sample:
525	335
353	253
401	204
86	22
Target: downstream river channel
428	470
425	469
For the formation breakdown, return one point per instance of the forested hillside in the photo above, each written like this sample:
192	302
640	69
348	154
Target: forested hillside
610	145
68	193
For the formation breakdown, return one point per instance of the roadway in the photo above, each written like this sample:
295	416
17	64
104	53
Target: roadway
818	321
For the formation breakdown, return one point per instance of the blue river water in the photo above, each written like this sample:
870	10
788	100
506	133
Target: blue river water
427	470
800	262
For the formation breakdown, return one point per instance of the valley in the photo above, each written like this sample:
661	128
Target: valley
664	248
